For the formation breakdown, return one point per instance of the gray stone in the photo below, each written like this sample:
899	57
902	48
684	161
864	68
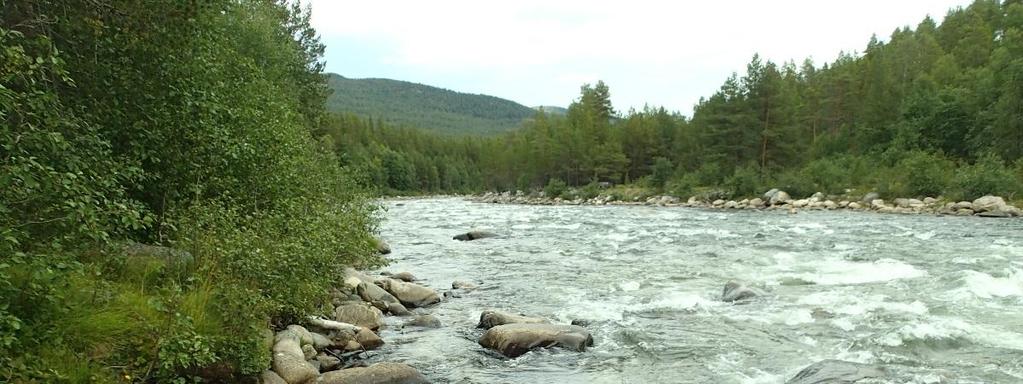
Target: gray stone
407	277
989	204
463	285
379	373
368	340
836	372
490	319
513	340
289	360
371	293
736	291
271	377
425	321
409	294
781	197
382	247
475	235
360	314
327	362
868	198
757	203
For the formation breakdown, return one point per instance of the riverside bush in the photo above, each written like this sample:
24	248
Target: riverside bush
987	176
199	138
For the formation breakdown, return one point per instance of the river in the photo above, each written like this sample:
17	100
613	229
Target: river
932	299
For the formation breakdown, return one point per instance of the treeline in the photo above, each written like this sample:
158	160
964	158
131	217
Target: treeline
177	123
932	110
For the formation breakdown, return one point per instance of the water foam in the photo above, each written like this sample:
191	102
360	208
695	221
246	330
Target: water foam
985	286
843	272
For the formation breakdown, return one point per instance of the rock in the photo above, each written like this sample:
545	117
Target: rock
409	294
870	197
930	200
513	340
327	362
425	321
854	205
368	340
490	319
989	204
373	294
731	204
321	341
382	247
830	205
404	276
693	200
271	377
836	372
800	203
289	360
308	351
963	205
379	373
463	285
770	194
757	203
359	314
580	322
819	196
997	214
780	198
964	212
475	235
736	291
718	203
877	204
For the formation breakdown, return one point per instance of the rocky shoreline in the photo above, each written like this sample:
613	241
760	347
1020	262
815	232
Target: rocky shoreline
987	206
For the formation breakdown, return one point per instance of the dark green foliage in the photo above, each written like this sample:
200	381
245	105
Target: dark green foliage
555	188
416	105
921	174
988	175
183	123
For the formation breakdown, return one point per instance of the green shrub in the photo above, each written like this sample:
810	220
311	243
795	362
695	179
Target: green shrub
660	173
744	182
987	176
555	188
683	187
921	173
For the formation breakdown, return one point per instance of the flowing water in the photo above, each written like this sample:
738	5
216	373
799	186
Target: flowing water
933	299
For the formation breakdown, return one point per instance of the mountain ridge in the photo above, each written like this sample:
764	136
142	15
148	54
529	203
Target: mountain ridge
431	108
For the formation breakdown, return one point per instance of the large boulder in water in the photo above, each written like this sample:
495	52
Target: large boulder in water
411	295
360	314
513	340
474	235
736	291
989	204
379	373
490	319
836	372
289	360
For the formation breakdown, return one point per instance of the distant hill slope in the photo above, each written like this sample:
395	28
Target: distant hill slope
423	106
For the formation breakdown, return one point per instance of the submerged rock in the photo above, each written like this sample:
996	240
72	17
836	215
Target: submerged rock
379	373
513	340
490	319
463	285
409	294
425	321
736	291
475	235
836	372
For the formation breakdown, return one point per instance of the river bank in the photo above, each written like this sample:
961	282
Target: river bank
987	206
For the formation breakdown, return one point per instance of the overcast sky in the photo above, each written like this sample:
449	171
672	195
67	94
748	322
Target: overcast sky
662	53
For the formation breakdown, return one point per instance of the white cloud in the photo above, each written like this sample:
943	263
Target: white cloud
662	52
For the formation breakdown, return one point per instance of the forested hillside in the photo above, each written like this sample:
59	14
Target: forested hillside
163	201
929	110
416	105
